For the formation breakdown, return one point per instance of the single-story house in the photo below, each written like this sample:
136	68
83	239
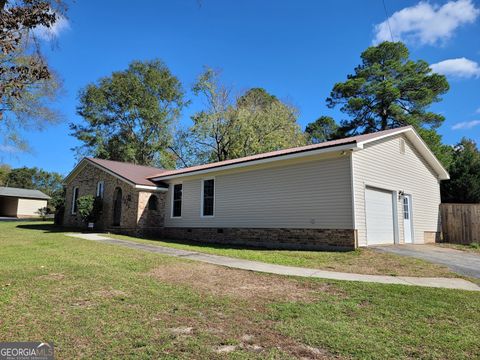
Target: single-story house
21	203
380	188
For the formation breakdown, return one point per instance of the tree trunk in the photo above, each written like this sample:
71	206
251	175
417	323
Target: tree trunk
384	120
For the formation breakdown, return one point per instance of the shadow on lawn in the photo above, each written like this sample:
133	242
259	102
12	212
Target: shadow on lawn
48	228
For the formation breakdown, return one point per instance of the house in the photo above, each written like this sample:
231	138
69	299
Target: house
21	203
381	188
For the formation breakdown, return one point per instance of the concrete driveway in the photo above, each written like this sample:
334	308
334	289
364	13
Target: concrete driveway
462	262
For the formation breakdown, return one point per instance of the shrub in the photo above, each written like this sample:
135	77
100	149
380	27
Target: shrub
89	208
43	212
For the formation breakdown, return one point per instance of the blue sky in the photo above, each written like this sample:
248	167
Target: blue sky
296	50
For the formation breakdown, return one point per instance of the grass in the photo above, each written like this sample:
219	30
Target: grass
362	261
473	247
96	300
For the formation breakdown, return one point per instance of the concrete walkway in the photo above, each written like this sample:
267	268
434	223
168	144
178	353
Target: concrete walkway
446	283
462	262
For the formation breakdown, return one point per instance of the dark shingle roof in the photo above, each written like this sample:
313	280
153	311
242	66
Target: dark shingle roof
136	174
23	193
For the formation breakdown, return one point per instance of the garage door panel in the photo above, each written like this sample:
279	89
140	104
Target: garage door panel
379	213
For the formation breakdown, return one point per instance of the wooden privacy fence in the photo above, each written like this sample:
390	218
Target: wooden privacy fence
460	223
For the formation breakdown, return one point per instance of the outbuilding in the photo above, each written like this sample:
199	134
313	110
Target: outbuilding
380	188
21	203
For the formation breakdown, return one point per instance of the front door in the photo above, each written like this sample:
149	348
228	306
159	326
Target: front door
407	219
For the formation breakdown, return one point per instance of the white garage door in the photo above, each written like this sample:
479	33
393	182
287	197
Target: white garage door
379	217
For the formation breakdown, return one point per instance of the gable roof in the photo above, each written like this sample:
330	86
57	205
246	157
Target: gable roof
137	175
23	193
353	142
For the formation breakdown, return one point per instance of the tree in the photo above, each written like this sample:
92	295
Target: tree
4	171
256	122
322	129
50	183
22	178
27	84
129	115
464	183
212	127
388	90
265	124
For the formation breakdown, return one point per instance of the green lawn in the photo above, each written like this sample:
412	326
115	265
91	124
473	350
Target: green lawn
362	261
473	247
96	300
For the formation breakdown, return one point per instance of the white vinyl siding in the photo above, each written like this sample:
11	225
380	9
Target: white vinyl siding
381	164
313	194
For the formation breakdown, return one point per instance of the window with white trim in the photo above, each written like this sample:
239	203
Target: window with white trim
208	197
100	189
177	200
74	200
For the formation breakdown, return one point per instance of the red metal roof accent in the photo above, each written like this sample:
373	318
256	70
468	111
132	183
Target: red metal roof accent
326	144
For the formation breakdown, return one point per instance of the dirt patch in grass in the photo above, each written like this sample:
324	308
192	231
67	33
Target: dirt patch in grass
52	276
239	332
243	327
110	293
241	284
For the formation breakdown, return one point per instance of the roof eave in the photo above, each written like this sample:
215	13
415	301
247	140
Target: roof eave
336	148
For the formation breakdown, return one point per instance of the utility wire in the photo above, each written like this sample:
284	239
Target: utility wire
388	19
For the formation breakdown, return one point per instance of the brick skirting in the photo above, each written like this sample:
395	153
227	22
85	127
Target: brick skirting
300	239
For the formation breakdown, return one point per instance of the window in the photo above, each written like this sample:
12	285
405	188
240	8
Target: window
406	209
152	203
74	200
177	200
100	188
208	197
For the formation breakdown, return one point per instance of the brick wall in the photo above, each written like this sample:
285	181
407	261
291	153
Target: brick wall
135	213
305	239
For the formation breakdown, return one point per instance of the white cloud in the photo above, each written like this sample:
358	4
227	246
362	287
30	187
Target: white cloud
425	23
48	33
460	67
466	125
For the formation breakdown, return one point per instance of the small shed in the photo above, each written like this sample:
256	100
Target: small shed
21	203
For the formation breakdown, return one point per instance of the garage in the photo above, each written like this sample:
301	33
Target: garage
379	213
21	203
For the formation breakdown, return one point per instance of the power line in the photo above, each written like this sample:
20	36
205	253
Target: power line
388	20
